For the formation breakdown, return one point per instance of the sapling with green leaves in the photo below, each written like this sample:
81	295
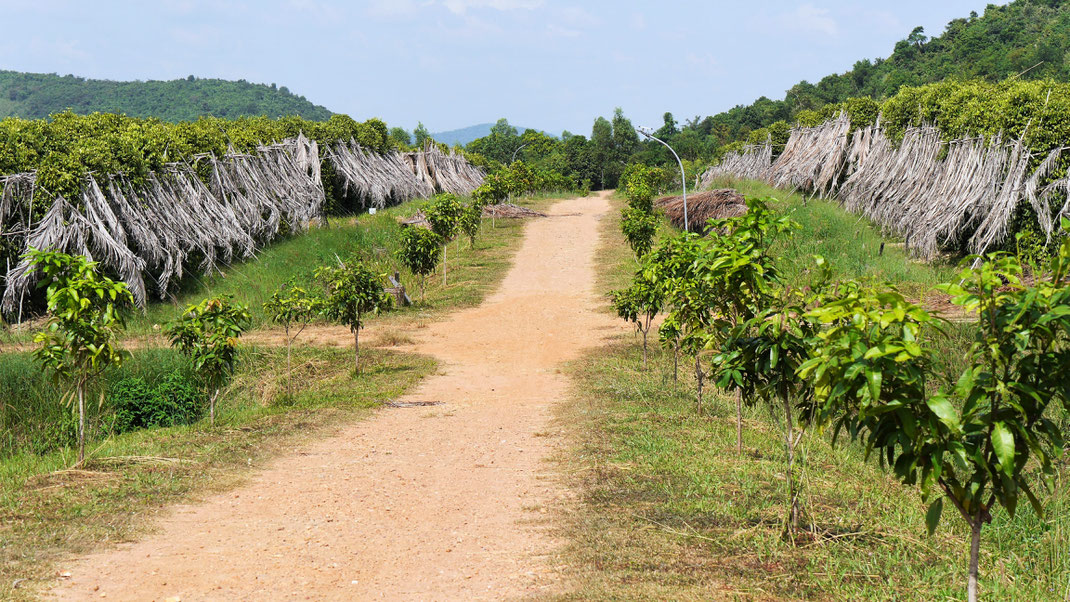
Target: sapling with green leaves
639	220
470	221
742	277
85	318
758	358
353	292
208	334
291	306
685	283
640	303
989	439
444	213
420	251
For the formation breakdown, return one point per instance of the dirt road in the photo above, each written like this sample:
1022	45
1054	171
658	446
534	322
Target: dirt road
424	503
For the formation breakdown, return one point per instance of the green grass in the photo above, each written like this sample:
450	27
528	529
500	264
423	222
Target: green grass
852	244
48	513
667	510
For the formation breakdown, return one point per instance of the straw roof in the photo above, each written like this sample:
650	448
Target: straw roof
702	207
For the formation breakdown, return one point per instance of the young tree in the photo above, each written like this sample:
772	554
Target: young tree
685	281
353	292
470	220
420	251
208	334
639	228
743	275
444	213
759	358
85	317
639	303
291	306
981	443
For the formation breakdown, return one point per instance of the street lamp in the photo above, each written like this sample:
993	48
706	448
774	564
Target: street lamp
683	179
513	160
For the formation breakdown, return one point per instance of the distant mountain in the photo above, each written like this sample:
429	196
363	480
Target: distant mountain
37	95
465	135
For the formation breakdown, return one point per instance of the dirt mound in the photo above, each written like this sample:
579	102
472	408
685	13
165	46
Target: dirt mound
703	206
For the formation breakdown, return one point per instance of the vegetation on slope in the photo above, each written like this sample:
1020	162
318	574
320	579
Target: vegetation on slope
38	95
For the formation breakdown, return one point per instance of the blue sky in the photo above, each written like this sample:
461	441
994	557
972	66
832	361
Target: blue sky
547	64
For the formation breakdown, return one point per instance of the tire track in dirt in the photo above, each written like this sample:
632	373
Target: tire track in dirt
430	503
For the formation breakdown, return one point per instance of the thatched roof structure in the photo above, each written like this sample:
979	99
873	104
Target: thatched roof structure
702	207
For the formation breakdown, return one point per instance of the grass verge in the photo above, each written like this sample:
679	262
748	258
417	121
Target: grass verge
667	510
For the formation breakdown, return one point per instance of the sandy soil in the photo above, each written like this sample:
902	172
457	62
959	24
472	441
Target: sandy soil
416	503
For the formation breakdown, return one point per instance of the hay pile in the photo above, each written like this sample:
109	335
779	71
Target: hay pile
417	220
509	210
702	207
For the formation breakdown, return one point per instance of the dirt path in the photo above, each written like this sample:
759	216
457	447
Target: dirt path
428	503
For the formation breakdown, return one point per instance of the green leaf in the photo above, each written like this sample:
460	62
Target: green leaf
941	406
873	379
932	517
1003	444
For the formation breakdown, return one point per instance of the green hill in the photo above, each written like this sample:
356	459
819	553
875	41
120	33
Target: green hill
1026	38
38	95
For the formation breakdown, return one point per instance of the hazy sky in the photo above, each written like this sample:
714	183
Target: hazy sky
547	64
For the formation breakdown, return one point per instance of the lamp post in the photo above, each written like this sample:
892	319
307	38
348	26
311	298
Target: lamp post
513	160
683	179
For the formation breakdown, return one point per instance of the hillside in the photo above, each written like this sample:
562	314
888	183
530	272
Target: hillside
1026	38
38	95
465	135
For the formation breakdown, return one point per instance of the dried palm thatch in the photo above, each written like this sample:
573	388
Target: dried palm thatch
417	220
451	172
509	210
813	158
155	229
381	180
378	180
150	233
751	164
702	207
929	191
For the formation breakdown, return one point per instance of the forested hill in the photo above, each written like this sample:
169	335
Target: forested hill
1026	38
37	95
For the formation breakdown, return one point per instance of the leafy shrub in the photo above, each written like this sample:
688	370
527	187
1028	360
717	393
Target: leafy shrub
176	400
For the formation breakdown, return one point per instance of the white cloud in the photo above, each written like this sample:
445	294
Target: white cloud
811	19
460	7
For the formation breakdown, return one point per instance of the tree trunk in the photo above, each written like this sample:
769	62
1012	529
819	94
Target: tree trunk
289	365
793	512
675	361
423	288
81	420
444	264
356	349
975	550
698	378
211	407
644	345
739	422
